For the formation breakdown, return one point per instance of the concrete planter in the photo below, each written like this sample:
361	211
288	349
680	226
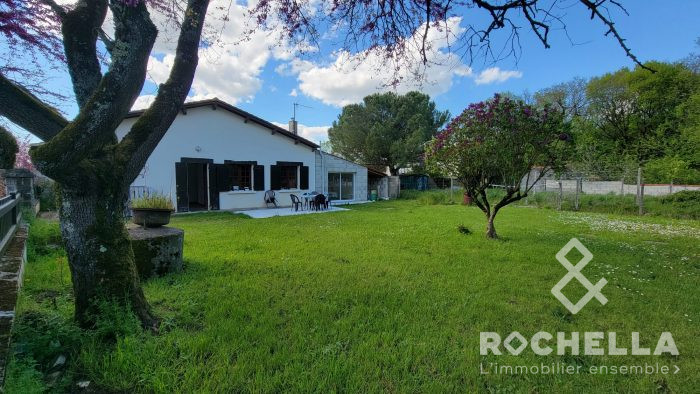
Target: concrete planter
157	251
151	217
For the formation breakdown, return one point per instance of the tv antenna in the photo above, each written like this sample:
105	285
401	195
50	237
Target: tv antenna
294	114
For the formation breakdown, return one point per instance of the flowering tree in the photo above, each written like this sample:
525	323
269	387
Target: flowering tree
23	159
497	143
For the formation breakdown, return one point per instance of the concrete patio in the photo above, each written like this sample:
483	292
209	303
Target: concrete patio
285	211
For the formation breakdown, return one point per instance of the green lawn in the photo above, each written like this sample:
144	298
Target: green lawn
386	297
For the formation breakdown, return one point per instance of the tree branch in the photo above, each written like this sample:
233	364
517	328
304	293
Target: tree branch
595	12
27	111
150	128
80	28
94	126
58	9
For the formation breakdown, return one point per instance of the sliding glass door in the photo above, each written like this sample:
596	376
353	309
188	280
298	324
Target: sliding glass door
341	186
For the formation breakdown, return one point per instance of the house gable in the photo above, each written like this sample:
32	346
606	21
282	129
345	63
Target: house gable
216	104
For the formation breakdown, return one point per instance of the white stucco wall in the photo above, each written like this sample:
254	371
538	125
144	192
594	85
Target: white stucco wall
326	163
221	135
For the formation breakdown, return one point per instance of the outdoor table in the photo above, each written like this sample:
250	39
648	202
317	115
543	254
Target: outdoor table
308	197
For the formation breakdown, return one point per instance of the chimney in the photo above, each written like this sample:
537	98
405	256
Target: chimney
293	126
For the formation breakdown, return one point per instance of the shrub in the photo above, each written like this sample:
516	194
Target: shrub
432	197
684	196
45	190
155	201
8	149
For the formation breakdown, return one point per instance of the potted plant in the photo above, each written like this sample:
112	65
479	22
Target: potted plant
153	210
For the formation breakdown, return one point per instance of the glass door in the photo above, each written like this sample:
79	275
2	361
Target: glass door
347	189
333	186
341	186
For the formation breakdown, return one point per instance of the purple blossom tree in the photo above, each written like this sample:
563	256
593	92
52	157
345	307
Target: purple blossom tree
498	143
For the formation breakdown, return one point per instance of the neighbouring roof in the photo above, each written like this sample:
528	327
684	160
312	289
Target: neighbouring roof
216	103
374	171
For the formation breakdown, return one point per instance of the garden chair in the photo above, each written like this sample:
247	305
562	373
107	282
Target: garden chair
320	202
296	202
270	198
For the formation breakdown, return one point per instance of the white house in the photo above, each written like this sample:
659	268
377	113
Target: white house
216	156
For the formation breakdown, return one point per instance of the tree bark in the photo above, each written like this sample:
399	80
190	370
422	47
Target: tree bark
490	228
100	256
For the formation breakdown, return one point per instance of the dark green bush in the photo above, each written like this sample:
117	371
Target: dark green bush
45	191
8	149
684	196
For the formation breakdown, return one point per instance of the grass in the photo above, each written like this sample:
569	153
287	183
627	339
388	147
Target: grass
680	205
153	201
389	296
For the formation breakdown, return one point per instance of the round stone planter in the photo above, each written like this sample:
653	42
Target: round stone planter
151	217
157	251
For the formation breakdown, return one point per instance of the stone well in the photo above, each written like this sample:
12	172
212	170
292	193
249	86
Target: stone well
157	251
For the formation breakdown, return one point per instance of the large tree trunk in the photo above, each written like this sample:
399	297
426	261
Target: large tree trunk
84	157
100	256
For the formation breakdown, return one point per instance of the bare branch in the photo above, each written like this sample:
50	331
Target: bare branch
27	111
80	29
594	7
58	9
94	126
148	130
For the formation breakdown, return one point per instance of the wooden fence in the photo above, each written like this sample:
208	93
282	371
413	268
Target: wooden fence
9	217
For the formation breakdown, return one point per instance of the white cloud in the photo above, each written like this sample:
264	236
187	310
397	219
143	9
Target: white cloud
313	133
293	93
143	102
229	68
350	77
495	74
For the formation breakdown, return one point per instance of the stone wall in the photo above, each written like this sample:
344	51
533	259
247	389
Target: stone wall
11	272
614	187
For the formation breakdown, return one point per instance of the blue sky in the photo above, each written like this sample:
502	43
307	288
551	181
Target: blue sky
259	78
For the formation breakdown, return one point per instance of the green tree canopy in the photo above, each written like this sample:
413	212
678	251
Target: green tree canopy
387	129
8	149
632	118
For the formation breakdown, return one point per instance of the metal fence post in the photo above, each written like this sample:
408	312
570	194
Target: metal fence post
579	186
561	195
622	186
640	191
639	183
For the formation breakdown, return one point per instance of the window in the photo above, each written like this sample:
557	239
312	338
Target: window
241	176
288	177
341	186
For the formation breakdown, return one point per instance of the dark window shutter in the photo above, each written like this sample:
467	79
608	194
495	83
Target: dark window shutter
223	177
304	178
183	202
259	177
275	178
214	186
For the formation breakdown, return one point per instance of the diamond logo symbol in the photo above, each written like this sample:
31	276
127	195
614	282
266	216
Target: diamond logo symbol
574	272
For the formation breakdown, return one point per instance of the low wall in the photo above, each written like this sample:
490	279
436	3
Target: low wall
12	263
614	187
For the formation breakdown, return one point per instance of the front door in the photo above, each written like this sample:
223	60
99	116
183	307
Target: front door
192	185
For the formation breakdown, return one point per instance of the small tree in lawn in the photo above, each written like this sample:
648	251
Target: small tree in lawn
497	143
